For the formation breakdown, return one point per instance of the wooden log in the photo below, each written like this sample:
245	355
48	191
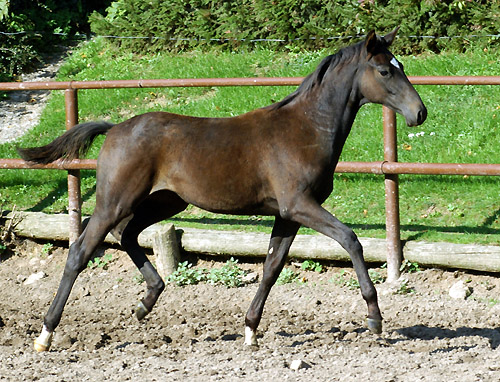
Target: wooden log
37	225
166	250
448	255
315	247
256	244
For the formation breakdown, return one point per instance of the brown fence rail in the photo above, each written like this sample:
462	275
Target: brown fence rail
389	167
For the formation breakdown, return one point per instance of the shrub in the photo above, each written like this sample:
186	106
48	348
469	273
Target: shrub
230	275
187	275
180	24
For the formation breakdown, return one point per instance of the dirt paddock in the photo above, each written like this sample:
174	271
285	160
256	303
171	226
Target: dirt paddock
195	332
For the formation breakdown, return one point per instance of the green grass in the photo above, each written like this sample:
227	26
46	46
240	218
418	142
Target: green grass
463	126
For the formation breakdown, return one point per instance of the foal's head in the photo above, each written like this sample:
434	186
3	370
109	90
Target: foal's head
383	81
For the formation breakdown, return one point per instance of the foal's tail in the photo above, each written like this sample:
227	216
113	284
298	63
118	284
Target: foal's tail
72	144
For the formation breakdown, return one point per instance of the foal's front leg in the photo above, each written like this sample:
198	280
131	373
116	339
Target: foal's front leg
281	239
310	214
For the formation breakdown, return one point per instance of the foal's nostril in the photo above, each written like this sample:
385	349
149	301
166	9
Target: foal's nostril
422	115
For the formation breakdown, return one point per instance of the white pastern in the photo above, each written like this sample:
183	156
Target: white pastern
250	337
42	343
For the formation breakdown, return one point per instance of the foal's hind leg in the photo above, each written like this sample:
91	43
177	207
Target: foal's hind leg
284	232
156	207
78	257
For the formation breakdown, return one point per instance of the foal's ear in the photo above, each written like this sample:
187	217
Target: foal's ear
389	37
371	42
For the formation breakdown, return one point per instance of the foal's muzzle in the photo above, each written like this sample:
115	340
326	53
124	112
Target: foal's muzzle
417	117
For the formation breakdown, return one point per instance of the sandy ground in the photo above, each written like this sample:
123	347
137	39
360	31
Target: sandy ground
195	332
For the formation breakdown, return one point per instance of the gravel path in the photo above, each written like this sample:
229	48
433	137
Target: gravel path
21	111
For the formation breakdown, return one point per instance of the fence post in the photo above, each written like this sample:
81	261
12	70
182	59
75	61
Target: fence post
74	192
394	252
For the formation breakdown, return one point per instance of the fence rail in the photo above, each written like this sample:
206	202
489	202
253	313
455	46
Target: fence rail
389	167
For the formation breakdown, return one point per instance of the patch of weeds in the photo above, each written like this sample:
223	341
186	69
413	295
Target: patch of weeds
100	262
185	274
287	276
138	278
310	265
376	277
2	248
490	301
410	267
404	288
47	248
230	275
345	280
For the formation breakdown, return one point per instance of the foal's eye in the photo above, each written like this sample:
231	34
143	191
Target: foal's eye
384	73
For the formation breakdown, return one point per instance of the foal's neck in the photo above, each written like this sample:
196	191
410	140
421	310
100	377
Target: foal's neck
337	102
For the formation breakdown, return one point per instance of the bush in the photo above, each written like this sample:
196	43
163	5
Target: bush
194	22
17	49
180	24
29	28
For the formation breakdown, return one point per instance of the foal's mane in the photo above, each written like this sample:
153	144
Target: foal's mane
315	79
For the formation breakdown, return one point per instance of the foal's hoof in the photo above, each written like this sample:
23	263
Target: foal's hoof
43	341
374	325
39	347
141	311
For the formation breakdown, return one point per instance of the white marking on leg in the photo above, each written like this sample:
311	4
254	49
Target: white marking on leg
271	250
42	343
250	337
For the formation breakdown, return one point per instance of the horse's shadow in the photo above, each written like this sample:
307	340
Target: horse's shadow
417	332
422	332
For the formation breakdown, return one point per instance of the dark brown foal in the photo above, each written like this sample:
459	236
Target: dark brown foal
278	160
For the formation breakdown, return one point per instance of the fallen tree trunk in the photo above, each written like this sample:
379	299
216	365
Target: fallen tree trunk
314	247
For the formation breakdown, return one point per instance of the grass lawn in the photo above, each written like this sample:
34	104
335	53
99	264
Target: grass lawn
462	127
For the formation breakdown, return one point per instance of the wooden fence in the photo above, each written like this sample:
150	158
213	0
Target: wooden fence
389	166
